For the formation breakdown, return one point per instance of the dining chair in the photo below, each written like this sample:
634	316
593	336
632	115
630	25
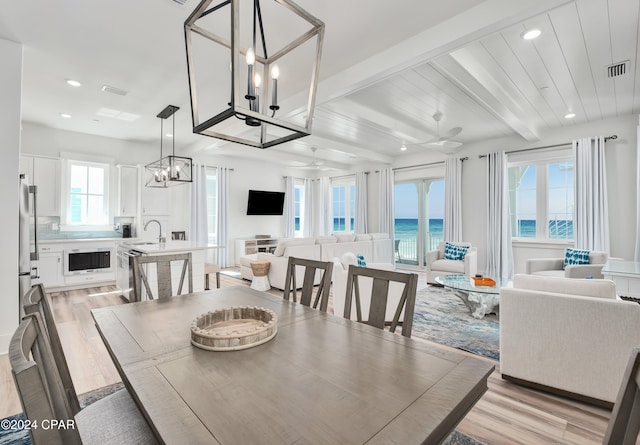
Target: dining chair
624	424
163	274
36	301
379	295
178	236
113	420
306	294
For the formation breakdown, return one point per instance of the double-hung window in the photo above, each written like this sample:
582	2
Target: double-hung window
298	208
541	193
88	193
343	194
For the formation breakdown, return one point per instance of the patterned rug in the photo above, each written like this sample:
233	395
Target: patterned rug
443	318
21	437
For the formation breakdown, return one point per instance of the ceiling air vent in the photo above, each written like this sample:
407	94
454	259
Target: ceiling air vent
113	90
618	69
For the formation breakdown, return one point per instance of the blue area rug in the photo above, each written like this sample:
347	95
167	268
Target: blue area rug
443	318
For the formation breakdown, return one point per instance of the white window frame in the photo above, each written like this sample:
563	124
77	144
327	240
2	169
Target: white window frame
106	167
542	161
347	182
212	210
298	184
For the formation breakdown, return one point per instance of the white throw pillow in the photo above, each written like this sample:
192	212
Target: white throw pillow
381	235
347	259
345	237
363	237
326	240
286	242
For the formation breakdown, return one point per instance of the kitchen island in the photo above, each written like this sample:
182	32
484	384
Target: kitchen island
129	249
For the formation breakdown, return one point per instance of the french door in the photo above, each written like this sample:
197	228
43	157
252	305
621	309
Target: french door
418	215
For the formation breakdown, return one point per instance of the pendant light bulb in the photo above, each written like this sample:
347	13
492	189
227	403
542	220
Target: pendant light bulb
251	57
257	80
275	72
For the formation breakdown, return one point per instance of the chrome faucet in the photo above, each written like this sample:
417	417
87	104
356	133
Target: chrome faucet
159	228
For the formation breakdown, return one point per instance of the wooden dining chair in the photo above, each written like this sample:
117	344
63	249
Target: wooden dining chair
113	420
624	424
178	236
311	266
36	301
163	274
379	296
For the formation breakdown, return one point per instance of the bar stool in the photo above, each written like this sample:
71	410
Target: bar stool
210	268
260	280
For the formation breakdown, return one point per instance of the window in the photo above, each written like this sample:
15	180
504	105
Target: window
343	195
88	202
541	199
212	205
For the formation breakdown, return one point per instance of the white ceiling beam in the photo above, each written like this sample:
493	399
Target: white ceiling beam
463	69
484	19
378	120
326	141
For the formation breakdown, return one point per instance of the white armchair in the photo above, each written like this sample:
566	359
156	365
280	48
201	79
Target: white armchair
552	267
438	266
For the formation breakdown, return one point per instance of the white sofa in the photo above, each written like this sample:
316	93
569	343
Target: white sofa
438	266
340	275
376	247
570	335
552	267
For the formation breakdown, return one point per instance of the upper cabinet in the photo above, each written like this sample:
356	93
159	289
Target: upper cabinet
156	201
44	173
128	193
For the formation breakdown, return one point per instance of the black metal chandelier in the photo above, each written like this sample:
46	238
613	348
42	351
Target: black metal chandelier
249	116
169	170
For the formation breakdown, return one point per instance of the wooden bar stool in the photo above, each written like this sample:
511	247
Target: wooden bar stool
260	280
210	268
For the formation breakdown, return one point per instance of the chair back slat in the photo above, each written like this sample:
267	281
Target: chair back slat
380	296
163	274
36	301
38	382
321	300
624	425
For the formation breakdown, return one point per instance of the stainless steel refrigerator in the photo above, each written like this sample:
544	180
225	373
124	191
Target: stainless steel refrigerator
28	251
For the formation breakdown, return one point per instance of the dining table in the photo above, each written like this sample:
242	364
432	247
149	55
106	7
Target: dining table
322	379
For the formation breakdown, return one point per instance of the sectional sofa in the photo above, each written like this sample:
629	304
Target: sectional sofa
375	247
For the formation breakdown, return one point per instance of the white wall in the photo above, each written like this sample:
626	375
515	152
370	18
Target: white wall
10	113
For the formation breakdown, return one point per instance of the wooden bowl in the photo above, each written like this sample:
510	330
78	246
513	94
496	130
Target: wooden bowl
234	328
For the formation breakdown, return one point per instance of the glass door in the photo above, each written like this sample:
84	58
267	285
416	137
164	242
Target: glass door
418	215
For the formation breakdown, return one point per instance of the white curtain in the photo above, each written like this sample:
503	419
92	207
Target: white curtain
361	203
637	258
452	199
324	208
385	211
308	208
591	222
223	217
289	207
499	249
199	231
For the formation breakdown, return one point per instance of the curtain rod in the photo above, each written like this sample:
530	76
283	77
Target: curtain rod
423	165
213	166
612	137
345	176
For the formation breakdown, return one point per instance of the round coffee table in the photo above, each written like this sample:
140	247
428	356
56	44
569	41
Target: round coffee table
480	300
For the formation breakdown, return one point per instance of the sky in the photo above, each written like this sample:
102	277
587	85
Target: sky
406	200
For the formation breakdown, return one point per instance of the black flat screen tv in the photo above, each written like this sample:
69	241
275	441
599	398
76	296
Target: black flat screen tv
265	203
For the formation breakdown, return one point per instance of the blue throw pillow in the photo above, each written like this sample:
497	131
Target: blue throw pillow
454	252
361	261
575	256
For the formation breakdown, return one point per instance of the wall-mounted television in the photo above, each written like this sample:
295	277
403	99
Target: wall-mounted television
265	203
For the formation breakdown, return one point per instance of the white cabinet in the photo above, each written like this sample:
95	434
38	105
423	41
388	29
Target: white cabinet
156	201
50	267
128	193
254	245
44	173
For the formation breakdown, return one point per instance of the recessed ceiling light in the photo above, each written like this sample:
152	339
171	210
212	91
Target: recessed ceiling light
65	115
570	115
403	148
73	83
531	34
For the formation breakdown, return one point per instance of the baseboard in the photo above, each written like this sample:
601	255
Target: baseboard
559	392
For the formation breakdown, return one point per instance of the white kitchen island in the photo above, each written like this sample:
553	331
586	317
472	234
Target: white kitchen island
127	250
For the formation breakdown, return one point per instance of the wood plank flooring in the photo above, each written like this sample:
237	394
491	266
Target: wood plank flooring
506	414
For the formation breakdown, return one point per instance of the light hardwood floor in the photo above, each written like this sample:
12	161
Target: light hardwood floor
506	414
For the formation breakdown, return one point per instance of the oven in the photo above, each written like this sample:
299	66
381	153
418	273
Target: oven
91	260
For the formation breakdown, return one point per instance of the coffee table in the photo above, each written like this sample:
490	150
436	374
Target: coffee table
480	300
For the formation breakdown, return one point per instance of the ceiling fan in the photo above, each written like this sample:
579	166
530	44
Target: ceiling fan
443	142
314	164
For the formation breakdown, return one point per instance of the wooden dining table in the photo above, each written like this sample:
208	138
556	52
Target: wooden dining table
322	380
